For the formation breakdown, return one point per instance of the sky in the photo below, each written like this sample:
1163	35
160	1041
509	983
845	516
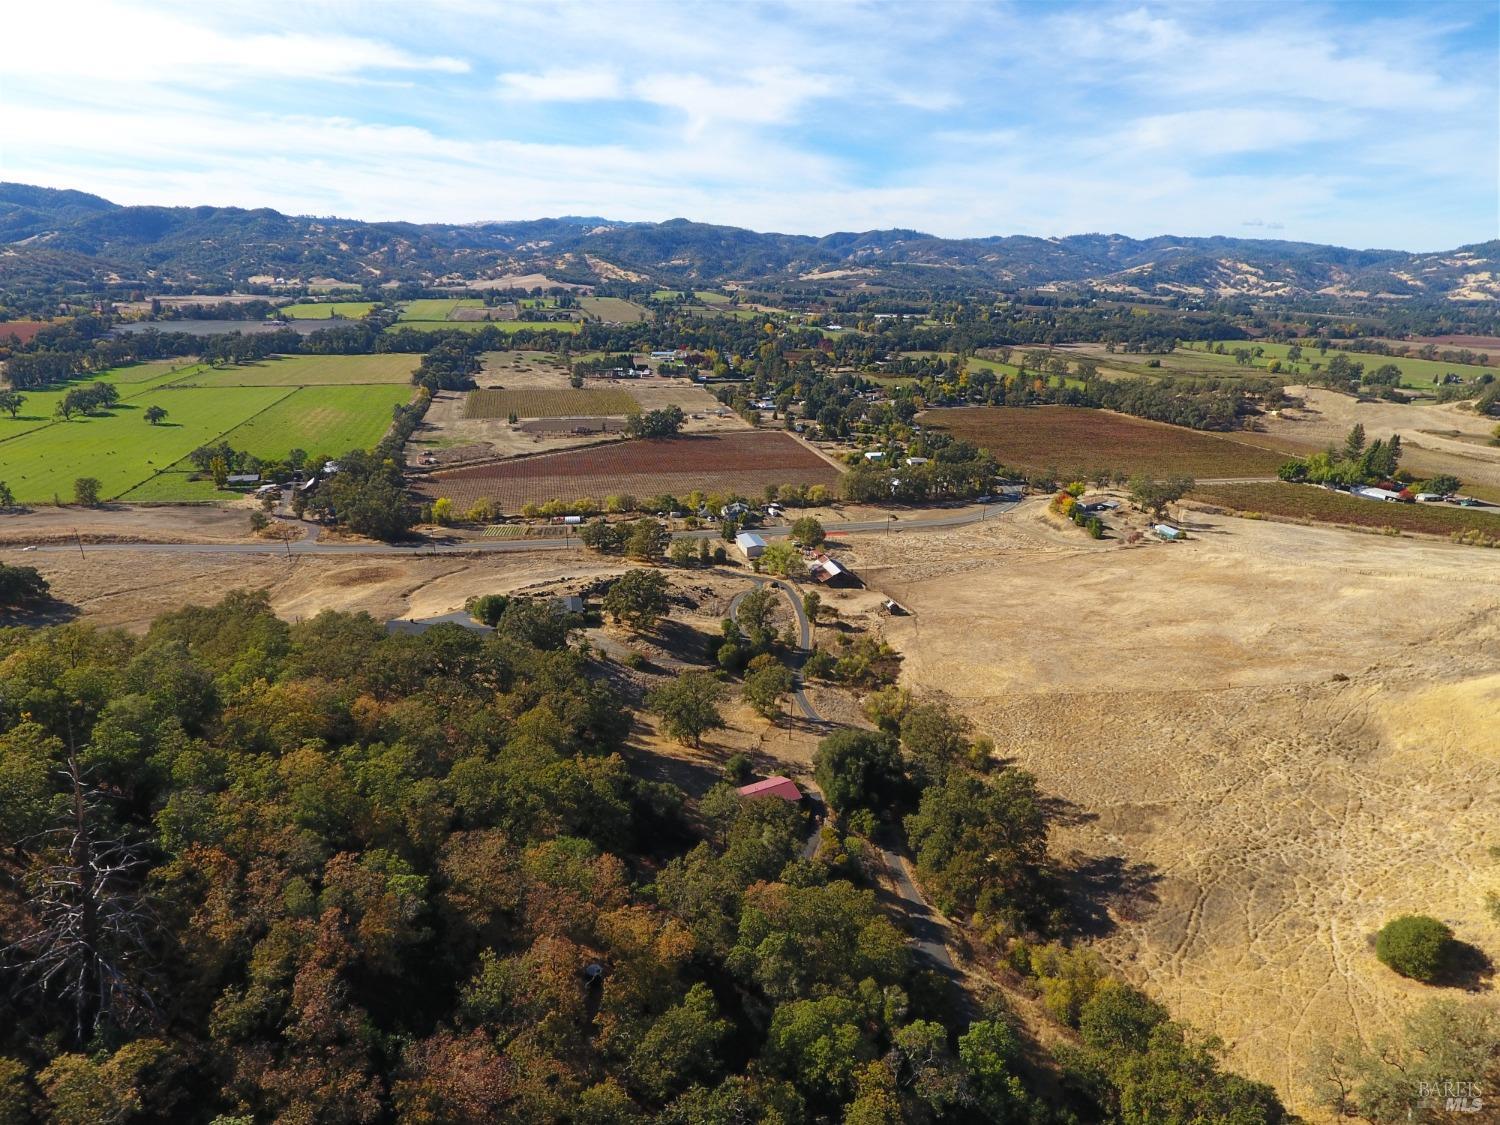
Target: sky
1365	124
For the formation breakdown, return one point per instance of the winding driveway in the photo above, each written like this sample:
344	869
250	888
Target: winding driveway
928	929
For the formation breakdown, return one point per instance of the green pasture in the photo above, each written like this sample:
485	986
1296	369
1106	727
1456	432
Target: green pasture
1416	374
120	448
614	308
312	370
327	310
475	325
437	308
325	404
326	420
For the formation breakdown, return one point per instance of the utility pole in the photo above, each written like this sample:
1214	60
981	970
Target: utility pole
80	544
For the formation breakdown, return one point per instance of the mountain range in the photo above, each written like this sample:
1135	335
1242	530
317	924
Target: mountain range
50	237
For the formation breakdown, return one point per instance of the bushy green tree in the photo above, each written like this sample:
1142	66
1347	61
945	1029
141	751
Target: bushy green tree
638	598
1415	946
688	705
859	769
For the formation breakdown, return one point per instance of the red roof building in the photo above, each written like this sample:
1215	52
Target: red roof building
783	787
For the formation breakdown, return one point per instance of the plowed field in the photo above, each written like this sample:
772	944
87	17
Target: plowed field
735	462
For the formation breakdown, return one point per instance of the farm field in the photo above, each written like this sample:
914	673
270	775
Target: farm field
1416	374
120	449
327	310
569	326
438	308
313	370
1299	723
1301	501
318	403
547	402
615	309
23	331
743	462
1079	440
705	296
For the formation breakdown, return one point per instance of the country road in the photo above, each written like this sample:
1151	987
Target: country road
928	929
311	544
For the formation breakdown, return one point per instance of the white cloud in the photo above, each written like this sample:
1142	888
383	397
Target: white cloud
1216	132
114	43
564	84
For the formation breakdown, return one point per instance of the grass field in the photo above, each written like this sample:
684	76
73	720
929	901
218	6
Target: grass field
547	402
313	370
326	310
1302	501
320	420
324	404
1074	439
120	449
615	309
438	309
742	463
1416	374
569	326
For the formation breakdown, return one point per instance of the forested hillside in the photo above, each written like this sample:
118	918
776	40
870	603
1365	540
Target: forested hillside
255	871
68	236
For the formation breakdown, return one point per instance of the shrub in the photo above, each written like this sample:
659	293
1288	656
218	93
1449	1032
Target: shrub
86	492
738	768
1415	945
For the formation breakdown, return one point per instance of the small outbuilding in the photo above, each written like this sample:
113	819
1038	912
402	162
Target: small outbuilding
751	545
1168	532
783	787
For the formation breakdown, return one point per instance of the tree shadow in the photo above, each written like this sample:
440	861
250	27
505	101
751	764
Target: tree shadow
1060	810
1468	967
1098	890
50	612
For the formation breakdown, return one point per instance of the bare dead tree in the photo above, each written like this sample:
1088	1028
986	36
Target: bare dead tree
89	942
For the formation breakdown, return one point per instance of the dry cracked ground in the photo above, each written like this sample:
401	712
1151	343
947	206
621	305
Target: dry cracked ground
1286	735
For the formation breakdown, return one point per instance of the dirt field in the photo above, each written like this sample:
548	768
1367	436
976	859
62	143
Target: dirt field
448	436
742	462
1189	700
1301	501
1073	439
1435	439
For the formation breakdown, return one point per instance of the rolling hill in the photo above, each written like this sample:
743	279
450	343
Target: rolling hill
51	236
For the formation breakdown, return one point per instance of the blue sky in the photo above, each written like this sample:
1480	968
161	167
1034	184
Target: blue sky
1364	124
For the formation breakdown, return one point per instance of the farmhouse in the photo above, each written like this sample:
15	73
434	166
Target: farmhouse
751	545
783	787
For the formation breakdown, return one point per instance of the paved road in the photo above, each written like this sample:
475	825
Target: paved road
928	930
312	545
805	645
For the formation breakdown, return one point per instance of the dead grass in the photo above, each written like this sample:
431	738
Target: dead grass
1185	705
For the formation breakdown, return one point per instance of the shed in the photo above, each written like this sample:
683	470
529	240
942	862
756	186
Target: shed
243	478
1167	531
783	787
874	455
1379	494
751	545
830	572
570	603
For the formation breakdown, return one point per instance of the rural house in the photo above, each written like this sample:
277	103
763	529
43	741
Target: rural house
783	787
